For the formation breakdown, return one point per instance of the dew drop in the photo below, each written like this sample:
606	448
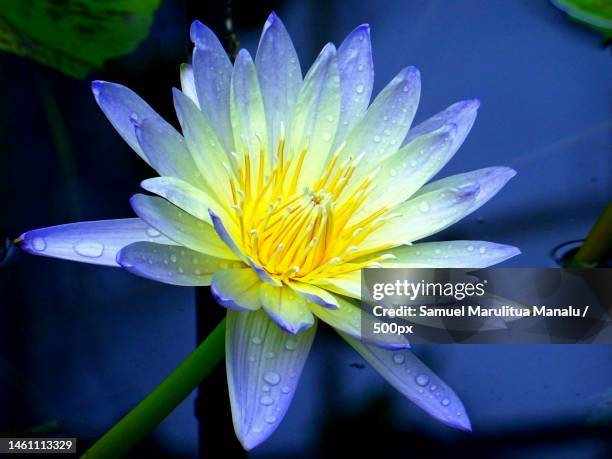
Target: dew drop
256	429
265	389
270	355
266	400
376	138
482	250
329	118
399	358
360	68
173	258
39	244
445	402
470	248
271	419
406	88
433	388
271	377
392	172
89	249
198	272
422	380
291	345
423	206
152	232
359	89
256	340
327	136
285	389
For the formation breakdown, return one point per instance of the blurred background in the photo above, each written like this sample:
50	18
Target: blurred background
80	345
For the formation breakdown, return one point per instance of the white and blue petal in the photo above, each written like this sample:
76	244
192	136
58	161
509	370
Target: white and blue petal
96	242
123	107
386	122
356	79
399	176
181	227
204	145
247	108
280	77
404	371
188	83
347	318
166	150
424	215
171	264
183	195
237	289
287	308
488	180
315	294
315	119
212	71
461	114
451	254
264	364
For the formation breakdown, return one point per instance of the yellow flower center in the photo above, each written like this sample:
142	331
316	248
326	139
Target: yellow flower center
301	234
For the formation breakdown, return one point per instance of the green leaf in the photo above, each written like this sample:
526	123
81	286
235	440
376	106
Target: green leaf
596	14
74	36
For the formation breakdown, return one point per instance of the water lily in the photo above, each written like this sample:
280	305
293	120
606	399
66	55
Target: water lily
279	190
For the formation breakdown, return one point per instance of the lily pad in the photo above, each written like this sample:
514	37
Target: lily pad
74	36
596	14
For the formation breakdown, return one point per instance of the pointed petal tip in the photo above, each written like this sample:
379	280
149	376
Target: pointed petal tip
200	34
365	28
95	87
460	422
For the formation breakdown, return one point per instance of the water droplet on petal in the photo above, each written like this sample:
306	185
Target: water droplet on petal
359	89
406	88
392	172
285	389
360	68
327	136
399	358
152	232
271	377
482	250
173	258
270	355
445	402
256	340
423	206
422	380
291	345
266	400
39	244
89	249
470	248
376	138
271	419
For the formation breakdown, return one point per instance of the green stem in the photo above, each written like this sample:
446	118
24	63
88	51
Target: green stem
597	247
145	417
